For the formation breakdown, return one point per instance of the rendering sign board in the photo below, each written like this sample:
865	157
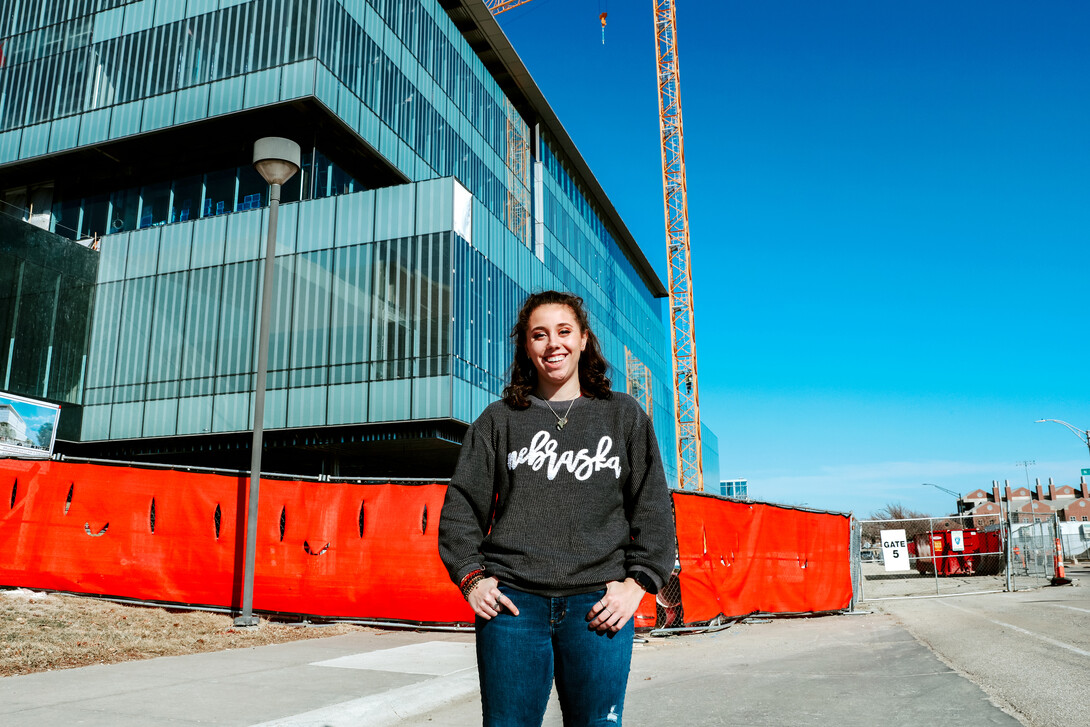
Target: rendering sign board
28	427
895	550
957	541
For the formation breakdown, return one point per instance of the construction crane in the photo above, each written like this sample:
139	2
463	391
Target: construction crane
676	206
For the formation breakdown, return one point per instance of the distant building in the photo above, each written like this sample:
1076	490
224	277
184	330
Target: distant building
738	489
1027	506
709	460
12	425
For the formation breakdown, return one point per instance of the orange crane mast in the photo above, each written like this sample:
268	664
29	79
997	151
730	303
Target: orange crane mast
676	206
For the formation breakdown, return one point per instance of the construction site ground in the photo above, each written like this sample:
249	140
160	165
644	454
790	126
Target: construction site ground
954	660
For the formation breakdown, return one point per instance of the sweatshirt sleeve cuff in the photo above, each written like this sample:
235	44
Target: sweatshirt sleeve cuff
647	576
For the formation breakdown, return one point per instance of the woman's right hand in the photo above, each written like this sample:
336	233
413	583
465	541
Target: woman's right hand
486	600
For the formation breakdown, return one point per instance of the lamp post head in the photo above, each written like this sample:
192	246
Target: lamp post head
276	159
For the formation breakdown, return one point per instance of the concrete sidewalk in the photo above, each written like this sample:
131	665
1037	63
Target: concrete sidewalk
838	670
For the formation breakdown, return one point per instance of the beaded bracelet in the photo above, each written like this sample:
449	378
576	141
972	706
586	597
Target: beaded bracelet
470	582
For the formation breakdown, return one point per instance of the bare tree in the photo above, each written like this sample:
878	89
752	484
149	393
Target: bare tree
894	511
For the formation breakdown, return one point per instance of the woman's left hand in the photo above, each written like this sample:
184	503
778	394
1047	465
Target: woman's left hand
614	609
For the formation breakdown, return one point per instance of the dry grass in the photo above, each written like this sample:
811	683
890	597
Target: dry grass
40	632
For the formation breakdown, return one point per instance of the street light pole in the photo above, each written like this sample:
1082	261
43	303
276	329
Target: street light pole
276	160
1083	434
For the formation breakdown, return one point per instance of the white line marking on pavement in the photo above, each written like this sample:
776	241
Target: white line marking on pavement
1073	608
437	658
1042	637
389	708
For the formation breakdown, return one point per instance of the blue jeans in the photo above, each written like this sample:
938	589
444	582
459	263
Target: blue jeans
518	656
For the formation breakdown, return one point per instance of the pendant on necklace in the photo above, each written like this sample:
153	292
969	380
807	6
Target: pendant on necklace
560	423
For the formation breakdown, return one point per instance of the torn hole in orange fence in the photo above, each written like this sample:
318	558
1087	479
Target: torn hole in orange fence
99	534
308	551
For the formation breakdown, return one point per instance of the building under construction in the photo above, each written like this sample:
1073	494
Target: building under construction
437	189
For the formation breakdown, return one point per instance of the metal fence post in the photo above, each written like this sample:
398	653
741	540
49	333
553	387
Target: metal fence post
1008	555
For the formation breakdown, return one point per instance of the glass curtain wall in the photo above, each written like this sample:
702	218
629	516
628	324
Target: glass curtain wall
452	116
356	328
46	295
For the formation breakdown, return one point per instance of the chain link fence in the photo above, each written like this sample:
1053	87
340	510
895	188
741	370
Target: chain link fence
1033	553
921	557
925	557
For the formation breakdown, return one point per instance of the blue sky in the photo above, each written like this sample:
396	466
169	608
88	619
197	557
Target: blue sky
889	208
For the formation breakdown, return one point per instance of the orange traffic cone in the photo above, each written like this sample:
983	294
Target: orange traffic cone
1060	578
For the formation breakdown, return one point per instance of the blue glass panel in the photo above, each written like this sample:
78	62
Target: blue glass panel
126	119
114	250
195	415
316	224
389	400
231	412
306	407
65	134
143	254
199	7
276	409
244	237
35	141
174	247
95	126
191	104
108	24
395	212
286	226
127	420
226	96
167	11
297	80
138	16
9	145
435	208
347	404
160	418
355	218
262	88
158	112
431	397
165	347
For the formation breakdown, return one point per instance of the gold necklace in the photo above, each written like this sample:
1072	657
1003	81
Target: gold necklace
562	420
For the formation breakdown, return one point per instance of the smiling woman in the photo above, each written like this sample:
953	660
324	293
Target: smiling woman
558	506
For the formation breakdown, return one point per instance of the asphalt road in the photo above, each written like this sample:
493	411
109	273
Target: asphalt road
1028	650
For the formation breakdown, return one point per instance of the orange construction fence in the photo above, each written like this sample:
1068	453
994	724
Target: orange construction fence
739	558
356	551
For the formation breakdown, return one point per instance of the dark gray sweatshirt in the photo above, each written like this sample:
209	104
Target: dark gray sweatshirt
573	508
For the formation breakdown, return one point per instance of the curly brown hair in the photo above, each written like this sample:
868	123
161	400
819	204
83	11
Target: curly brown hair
522	376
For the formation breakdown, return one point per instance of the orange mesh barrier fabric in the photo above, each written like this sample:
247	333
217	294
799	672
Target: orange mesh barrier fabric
178	537
740	558
328	564
362	551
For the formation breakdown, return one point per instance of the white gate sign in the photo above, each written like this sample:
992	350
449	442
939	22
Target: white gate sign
957	541
895	550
